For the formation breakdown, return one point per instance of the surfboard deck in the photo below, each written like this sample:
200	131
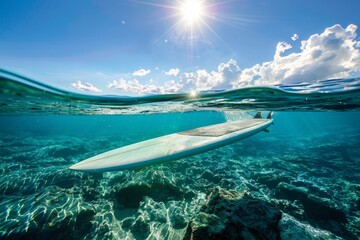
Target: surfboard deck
173	146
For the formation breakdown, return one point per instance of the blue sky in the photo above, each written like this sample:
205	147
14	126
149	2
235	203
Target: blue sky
143	47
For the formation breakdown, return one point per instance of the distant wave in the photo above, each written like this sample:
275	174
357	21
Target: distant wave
21	95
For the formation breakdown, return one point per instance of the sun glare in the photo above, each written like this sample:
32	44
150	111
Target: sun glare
191	11
193	94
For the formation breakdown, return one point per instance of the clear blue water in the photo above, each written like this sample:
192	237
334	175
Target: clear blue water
300	181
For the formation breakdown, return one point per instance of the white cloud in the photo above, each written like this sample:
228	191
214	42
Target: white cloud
202	80
173	72
334	53
134	86
199	80
171	87
331	54
85	87
294	37
229	72
281	47
141	72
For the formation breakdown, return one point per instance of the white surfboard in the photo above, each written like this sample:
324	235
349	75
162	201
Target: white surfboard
172	146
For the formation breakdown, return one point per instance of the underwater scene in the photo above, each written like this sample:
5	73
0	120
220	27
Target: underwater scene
299	180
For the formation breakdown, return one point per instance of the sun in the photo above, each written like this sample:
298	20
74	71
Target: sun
191	11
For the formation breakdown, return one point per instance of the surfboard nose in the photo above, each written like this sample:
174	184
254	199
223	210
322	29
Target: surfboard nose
78	167
74	167
87	165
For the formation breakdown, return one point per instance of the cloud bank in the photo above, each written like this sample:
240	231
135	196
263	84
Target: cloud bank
334	53
86	87
331	54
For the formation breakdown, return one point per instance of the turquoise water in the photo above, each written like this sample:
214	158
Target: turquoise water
300	181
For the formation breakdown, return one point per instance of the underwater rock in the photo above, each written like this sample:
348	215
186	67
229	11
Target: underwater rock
158	188
65	151
294	208
62	178
234	215
271	180
133	194
89	193
127	222
140	229
290	228
105	225
54	214
208	175
157	220
311	187
117	177
315	207
29	181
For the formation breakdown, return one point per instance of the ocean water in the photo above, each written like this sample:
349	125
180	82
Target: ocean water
299	181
